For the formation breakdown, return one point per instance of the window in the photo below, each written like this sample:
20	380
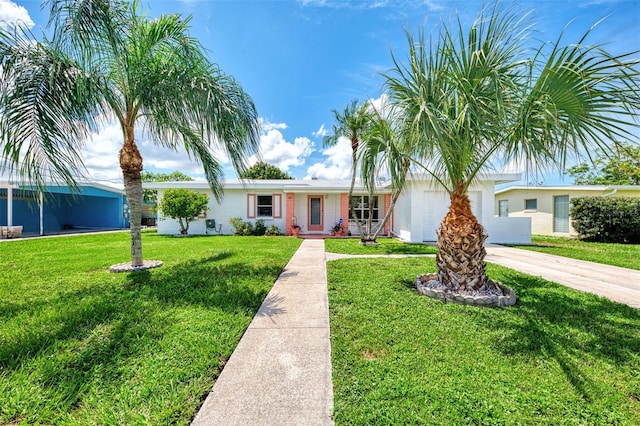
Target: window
265	205
531	204
503	208
361	207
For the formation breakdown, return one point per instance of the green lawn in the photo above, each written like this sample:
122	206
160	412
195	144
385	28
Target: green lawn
623	255
79	345
557	357
384	246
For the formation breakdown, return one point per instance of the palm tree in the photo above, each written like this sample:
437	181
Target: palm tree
468	99
352	123
107	61
383	154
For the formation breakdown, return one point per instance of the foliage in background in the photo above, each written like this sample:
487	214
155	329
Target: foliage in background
262	170
151	195
184	205
622	167
558	357
246	227
606	219
82	346
108	60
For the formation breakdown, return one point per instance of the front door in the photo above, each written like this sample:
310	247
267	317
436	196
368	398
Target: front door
316	213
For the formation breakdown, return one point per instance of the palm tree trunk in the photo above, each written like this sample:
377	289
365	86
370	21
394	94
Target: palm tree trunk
354	169
131	165
460	258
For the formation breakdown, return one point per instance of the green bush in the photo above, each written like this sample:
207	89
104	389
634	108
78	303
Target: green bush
259	228
242	227
615	219
273	231
245	227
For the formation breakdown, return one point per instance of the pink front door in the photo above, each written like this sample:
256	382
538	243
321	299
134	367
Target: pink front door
315	205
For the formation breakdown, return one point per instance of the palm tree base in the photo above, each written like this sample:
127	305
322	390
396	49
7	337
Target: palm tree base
492	293
128	267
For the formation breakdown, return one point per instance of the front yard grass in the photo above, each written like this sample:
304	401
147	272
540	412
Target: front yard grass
384	246
558	356
623	255
79	345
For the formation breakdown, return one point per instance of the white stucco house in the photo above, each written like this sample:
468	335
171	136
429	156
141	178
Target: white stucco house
548	206
317	205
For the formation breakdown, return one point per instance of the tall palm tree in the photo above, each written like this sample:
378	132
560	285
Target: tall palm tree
384	154
107	61
353	122
471	97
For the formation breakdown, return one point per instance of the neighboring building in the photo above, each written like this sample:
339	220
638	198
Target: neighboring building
58	209
548	206
317	205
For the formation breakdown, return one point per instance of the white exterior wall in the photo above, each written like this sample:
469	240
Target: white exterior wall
233	204
401	221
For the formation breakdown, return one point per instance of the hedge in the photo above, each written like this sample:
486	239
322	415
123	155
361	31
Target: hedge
614	219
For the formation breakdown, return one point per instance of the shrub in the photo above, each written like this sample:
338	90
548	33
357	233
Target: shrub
273	231
615	219
245	227
242	227
259	228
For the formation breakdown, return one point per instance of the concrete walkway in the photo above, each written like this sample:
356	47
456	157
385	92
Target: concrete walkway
618	284
280	372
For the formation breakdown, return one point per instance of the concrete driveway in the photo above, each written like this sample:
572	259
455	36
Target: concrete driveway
618	284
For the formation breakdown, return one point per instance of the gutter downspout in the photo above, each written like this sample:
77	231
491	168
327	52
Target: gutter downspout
612	193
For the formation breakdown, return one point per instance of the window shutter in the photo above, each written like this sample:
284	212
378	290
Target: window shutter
251	205
277	206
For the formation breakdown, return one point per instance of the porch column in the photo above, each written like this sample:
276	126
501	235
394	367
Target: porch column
344	207
41	202
290	212
9	205
387	203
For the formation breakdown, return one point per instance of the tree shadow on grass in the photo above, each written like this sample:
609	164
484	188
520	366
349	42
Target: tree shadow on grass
85	332
554	321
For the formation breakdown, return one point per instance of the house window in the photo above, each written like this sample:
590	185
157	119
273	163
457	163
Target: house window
503	208
361	207
531	204
265	205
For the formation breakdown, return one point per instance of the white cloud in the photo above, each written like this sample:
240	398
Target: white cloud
275	150
101	156
266	125
337	164
321	132
12	15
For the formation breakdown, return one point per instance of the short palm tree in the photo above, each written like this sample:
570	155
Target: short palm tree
353	122
475	96
107	61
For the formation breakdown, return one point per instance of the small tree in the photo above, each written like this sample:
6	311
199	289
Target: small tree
183	205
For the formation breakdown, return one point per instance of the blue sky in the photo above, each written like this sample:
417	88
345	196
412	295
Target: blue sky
299	60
